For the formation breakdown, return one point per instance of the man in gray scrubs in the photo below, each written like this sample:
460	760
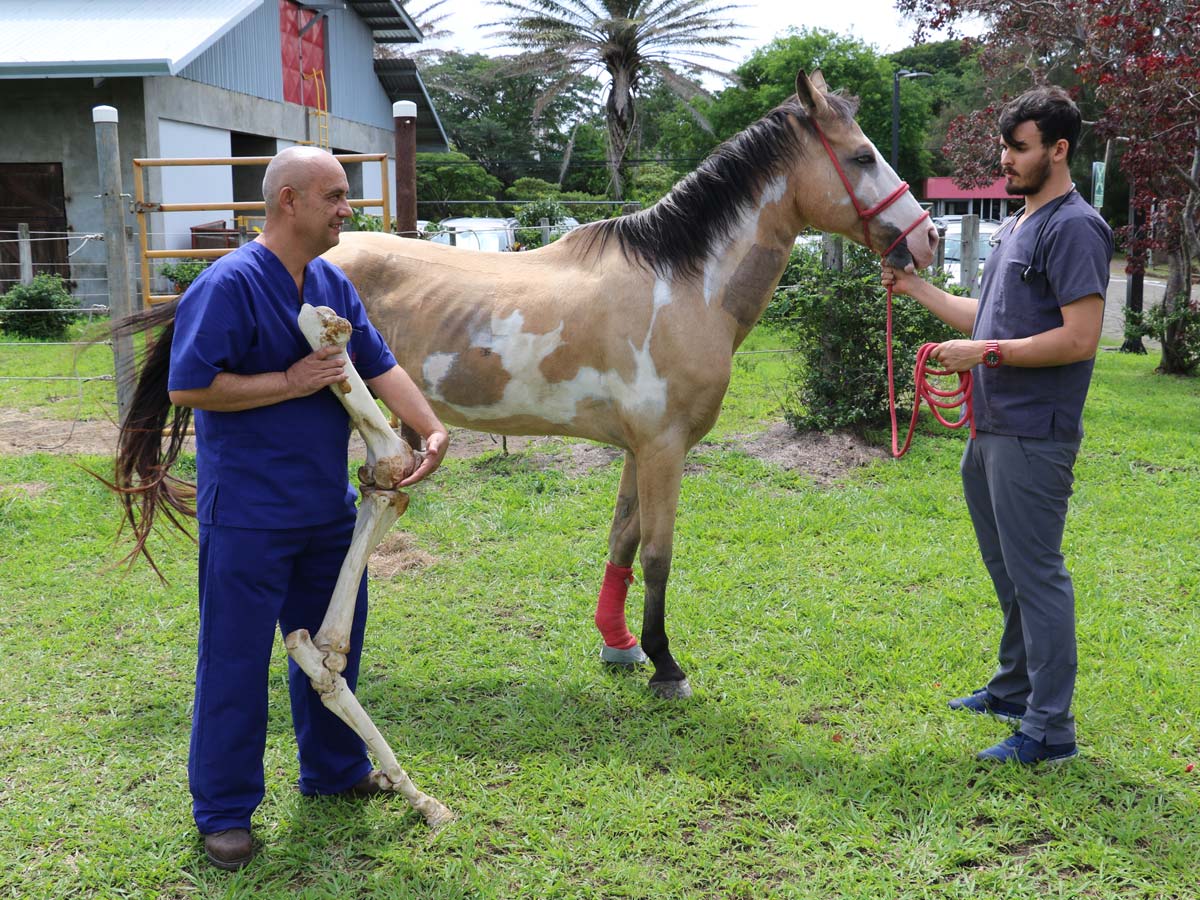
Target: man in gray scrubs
1034	332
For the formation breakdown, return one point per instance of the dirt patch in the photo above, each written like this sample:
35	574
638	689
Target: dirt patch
397	553
825	457
22	433
28	488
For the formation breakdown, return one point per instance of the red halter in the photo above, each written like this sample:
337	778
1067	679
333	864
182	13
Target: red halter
925	390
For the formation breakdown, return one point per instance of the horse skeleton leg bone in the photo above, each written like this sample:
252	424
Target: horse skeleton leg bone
389	460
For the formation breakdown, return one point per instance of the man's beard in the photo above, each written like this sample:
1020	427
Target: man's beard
1037	180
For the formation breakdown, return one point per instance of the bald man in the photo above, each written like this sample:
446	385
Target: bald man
275	506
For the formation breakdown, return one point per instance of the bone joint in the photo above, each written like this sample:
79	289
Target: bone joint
323	658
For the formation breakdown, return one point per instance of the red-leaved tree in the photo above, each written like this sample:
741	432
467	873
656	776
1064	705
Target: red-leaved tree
1134	68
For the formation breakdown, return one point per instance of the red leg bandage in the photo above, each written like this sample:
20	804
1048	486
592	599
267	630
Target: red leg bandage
610	608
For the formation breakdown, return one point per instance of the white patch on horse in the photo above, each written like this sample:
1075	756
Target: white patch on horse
529	393
775	191
718	257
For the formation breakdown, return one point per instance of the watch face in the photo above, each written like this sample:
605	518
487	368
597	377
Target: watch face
991	359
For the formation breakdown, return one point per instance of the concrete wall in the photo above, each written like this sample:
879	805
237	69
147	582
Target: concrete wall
192	184
50	120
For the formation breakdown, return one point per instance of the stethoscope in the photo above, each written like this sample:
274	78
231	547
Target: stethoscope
994	241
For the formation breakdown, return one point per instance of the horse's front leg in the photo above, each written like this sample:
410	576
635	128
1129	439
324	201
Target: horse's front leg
620	646
659	472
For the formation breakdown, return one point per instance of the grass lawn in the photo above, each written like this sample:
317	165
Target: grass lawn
822	629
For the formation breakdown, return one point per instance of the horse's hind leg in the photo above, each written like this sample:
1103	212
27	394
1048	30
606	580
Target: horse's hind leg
659	472
620	646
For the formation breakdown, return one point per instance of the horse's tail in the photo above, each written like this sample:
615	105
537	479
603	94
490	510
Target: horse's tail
142	477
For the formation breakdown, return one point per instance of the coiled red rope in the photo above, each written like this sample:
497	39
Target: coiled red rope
937	398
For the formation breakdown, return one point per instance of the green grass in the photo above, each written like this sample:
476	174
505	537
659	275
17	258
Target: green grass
82	387
822	630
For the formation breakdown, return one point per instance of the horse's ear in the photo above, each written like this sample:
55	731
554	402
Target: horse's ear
811	90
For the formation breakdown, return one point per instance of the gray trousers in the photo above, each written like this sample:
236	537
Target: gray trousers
1017	491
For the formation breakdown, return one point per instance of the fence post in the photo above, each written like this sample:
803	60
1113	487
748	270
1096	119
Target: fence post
120	298
833	254
404	117
25	252
969	254
544	225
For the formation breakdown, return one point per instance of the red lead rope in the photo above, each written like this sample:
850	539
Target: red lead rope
924	389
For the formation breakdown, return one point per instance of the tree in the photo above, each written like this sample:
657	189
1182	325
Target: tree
767	78
628	40
1134	68
454	176
488	114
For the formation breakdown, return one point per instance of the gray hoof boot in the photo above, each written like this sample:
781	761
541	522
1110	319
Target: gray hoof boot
631	657
672	690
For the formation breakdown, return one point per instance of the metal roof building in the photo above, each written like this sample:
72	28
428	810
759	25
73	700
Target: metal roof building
219	78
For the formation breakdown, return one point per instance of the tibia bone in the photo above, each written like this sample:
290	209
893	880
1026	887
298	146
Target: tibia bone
389	459
377	512
337	696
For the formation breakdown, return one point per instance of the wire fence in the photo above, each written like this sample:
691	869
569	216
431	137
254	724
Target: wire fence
80	261
86	280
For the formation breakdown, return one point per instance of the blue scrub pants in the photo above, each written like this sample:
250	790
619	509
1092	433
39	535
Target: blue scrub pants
1017	491
249	581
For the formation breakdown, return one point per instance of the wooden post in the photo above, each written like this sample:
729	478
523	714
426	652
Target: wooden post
404	115
25	252
833	254
969	255
120	299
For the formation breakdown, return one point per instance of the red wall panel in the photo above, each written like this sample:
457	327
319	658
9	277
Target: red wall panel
301	54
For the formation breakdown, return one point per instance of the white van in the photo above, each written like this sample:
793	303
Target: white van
477	233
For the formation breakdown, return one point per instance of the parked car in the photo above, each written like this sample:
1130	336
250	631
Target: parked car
953	244
477	233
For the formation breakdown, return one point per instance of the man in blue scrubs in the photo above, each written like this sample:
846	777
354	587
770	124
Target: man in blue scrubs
1034	333
275	505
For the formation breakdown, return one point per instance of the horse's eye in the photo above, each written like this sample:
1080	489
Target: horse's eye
867	159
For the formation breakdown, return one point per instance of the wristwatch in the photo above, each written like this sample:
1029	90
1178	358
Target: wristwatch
991	355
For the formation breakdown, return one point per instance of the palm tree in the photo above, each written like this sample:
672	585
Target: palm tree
628	39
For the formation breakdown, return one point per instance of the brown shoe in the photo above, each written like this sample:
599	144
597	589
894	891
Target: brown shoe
367	786
229	849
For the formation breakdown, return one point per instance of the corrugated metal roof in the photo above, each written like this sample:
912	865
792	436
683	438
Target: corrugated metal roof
402	81
95	38
388	21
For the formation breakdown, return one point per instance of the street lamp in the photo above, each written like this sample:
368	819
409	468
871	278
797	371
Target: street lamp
900	73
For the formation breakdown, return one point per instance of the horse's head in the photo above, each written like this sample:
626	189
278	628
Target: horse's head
860	197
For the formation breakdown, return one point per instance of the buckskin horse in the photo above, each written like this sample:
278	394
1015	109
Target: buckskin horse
621	332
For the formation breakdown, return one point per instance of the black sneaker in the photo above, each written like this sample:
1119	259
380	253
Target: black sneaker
986	703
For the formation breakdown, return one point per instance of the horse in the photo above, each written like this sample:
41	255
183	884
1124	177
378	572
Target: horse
621	332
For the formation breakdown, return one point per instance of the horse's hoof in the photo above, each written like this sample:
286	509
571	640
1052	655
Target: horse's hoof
672	690
632	656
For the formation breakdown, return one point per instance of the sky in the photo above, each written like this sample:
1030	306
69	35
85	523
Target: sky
875	22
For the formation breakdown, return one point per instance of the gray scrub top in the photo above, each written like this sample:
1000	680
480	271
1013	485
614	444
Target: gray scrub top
1070	261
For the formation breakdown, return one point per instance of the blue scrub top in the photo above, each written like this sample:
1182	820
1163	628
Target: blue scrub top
1071	262
283	465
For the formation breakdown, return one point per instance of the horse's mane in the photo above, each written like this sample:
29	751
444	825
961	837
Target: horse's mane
677	234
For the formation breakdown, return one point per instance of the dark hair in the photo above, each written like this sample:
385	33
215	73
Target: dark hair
1051	109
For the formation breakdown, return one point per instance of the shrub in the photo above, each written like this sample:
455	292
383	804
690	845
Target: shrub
184	272
530	214
837	322
45	292
1177	329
